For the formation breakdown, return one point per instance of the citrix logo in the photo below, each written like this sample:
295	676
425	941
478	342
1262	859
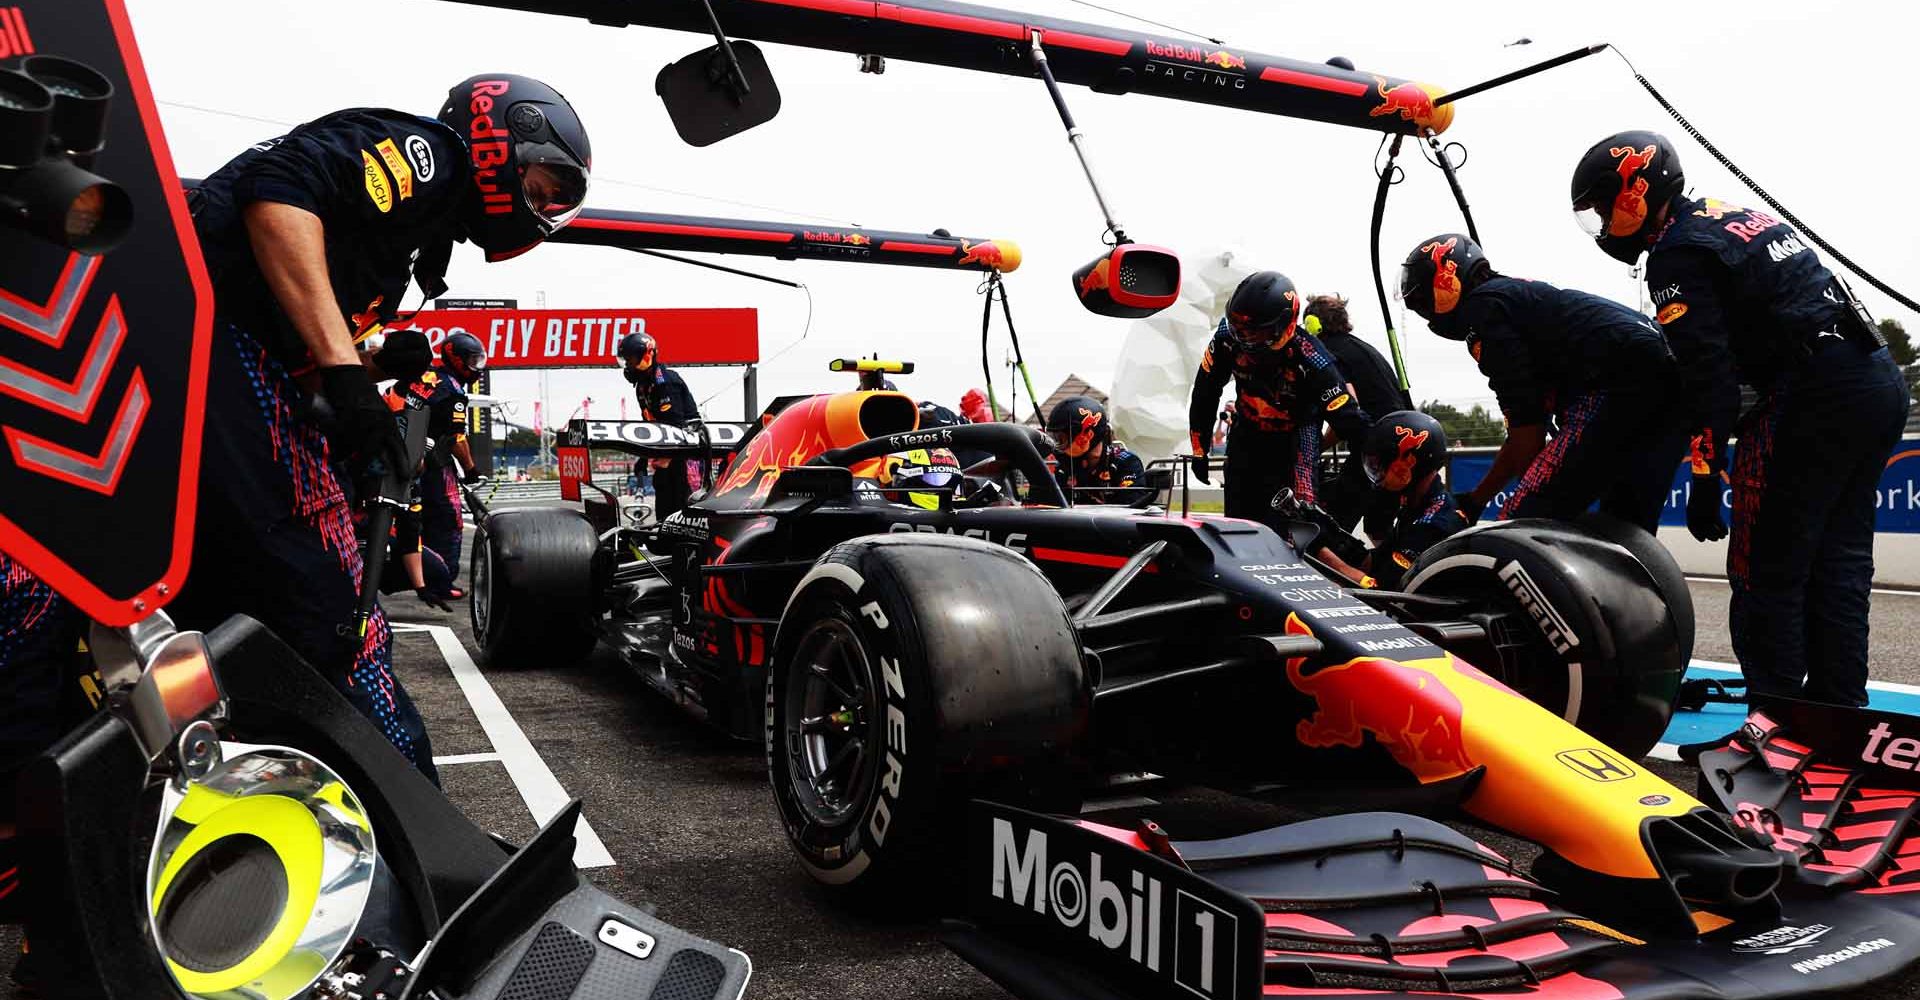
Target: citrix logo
1119	920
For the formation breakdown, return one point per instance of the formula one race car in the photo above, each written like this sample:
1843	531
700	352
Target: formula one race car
919	669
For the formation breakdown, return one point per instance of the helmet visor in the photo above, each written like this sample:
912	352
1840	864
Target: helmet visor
554	186
1371	466
1255	334
1591	221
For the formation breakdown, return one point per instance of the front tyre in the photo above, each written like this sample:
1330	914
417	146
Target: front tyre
911	675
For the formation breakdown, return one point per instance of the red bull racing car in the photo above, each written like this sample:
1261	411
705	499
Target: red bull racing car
938	684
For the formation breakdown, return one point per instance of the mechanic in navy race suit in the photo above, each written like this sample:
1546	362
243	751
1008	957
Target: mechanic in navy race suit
461	360
1286	386
311	240
1375	387
1401	458
664	399
1743	299
1598	370
1095	468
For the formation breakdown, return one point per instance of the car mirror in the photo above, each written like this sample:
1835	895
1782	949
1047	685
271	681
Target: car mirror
1130	281
708	102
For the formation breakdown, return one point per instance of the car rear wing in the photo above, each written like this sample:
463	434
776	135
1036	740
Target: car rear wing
706	440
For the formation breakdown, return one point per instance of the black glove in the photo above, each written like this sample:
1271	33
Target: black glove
431	599
364	429
1703	509
1201	471
473	478
404	356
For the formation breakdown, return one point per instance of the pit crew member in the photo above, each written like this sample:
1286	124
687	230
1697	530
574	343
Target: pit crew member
311	240
1375	387
1286	386
1096	469
1743	298
461	360
1401	458
664	399
1600	372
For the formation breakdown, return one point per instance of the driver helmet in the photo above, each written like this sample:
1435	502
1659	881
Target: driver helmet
1436	277
1076	423
463	355
1402	449
1264	311
530	157
920	476
1619	187
638	352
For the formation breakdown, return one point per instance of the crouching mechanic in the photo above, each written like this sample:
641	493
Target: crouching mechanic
461	360
311	240
1601	372
664	399
1286	386
1097	469
1743	299
1401	457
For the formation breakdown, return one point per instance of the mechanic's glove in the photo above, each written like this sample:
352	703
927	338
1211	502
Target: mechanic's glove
473	478
1201	471
1704	519
1473	504
363	425
432	599
404	356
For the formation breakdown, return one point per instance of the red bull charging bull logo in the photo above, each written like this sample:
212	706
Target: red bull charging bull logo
987	253
1630	205
1096	279
1225	60
1400	472
1446	275
1413	102
1408	711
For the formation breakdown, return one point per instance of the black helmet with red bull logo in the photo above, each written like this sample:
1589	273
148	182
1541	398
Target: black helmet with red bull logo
464	356
1264	310
1437	275
1619	188
1402	449
638	353
1077	423
531	160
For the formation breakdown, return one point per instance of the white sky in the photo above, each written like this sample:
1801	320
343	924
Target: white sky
1809	99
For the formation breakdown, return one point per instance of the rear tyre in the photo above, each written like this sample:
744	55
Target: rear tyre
1582	626
532	589
910	675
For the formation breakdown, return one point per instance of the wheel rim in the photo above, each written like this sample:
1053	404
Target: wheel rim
829	713
480	602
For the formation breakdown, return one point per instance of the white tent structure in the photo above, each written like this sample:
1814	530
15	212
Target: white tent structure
1154	377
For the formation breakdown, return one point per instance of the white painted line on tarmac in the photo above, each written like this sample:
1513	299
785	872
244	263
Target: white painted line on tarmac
1722	667
541	791
466	758
1722	581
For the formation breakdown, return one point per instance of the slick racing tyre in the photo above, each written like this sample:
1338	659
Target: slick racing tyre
532	600
1659	564
910	675
1576	621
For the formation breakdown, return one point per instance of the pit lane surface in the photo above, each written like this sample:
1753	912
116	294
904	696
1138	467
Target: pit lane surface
686	817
